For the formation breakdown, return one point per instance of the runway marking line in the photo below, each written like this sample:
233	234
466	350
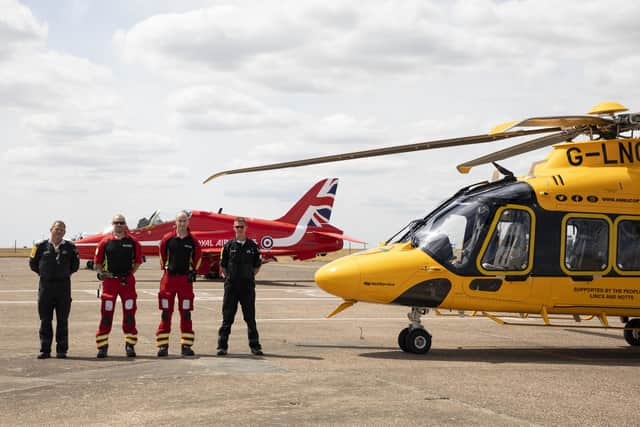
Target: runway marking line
76	301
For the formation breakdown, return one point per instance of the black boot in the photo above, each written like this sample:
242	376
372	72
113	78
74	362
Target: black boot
187	351
102	352
44	355
163	351
128	348
256	348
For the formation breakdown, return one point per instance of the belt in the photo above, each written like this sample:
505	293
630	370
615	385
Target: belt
177	274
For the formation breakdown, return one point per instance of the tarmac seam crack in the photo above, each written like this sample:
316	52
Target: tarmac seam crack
198	366
469	406
29	383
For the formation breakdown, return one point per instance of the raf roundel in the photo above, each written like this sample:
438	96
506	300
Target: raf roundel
266	242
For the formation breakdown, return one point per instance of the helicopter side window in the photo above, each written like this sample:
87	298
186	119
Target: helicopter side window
586	244
508	249
628	250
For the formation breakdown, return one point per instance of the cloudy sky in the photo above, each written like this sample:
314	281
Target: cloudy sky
127	105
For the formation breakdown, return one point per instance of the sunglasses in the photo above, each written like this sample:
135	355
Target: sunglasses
238	226
118	223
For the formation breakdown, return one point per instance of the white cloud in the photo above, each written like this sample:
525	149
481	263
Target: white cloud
122	156
18	26
37	79
326	46
53	94
213	37
343	129
217	108
66	125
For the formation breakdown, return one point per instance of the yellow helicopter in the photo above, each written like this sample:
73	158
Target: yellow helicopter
564	240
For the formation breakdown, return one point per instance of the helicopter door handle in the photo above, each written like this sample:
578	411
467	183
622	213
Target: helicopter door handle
430	268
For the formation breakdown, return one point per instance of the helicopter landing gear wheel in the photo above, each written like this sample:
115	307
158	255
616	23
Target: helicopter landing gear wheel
632	337
415	339
402	340
418	341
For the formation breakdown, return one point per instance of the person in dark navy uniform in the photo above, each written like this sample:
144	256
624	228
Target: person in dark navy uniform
54	260
240	262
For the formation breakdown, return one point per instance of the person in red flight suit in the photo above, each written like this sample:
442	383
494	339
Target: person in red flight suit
118	257
180	258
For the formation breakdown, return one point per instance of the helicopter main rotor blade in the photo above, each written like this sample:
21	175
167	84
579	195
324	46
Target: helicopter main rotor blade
525	147
419	146
564	122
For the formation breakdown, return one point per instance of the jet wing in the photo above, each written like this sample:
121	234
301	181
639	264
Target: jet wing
212	251
338	236
218	251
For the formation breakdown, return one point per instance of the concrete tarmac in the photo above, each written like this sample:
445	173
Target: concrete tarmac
315	371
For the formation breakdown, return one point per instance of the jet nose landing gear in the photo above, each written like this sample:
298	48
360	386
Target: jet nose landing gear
415	339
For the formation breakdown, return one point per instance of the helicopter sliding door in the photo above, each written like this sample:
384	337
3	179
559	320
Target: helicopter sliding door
586	250
627	245
506	257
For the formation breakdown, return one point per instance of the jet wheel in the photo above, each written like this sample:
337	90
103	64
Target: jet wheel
89	265
418	341
632	337
402	340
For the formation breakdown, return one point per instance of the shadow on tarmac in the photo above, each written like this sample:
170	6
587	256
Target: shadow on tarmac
289	356
626	356
116	358
354	347
197	356
285	284
265	356
597	334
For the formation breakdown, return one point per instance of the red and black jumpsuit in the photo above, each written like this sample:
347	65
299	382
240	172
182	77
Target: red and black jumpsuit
118	256
180	259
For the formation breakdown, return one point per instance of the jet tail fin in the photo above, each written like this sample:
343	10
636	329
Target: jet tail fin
314	208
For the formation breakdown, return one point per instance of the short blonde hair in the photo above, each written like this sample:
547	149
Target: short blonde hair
241	220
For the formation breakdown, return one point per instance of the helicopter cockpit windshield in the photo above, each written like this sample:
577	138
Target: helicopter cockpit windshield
452	234
405	232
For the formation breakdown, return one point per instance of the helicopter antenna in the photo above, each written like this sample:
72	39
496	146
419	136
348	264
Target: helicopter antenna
504	171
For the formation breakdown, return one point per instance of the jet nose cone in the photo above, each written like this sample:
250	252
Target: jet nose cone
339	277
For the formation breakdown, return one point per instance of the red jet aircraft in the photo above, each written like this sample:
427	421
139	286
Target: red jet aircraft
302	233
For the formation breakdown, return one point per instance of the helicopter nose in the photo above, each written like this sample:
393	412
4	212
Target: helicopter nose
340	277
